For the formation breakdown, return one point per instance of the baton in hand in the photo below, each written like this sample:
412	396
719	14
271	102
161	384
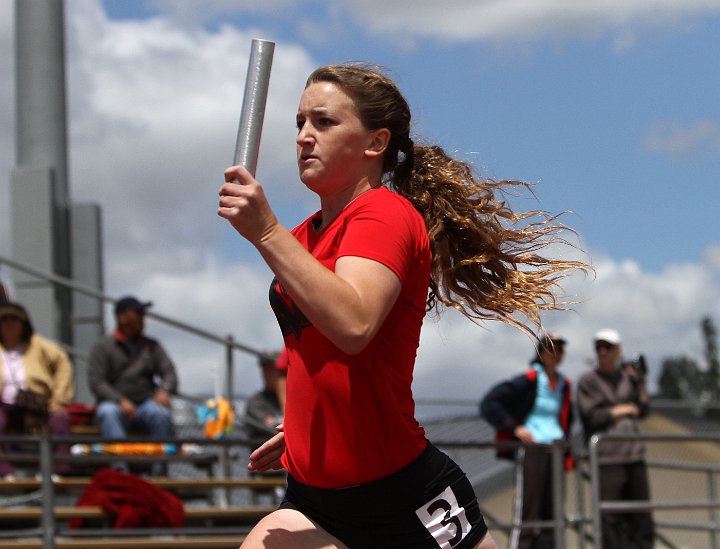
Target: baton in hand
247	145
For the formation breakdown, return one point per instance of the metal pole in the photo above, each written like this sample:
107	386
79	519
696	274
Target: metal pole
580	501
247	145
558	480
41	143
93	292
595	491
48	499
517	522
229	368
713	515
225	452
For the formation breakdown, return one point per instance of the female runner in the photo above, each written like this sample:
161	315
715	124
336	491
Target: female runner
402	228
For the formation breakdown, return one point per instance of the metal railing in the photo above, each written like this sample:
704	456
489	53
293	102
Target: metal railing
587	474
709	470
561	521
227	341
587	522
43	452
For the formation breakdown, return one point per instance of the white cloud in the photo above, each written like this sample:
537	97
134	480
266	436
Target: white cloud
658	315
520	20
226	300
712	258
7	131
154	110
501	21
154	115
676	137
193	11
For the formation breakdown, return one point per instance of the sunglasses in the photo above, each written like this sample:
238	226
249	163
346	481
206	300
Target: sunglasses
603	345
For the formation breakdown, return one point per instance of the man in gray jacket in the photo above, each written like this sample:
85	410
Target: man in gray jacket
610	399
132	377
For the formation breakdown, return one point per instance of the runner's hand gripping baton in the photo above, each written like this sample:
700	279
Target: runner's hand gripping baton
247	145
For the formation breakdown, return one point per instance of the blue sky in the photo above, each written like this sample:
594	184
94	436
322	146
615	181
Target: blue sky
595	117
608	108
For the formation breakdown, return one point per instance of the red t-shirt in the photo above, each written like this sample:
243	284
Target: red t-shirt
281	362
350	419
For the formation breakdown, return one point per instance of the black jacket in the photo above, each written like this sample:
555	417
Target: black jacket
508	404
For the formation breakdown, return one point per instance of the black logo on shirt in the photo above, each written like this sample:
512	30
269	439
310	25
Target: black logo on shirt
290	318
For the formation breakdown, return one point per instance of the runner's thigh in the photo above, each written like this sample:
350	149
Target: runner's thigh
286	528
487	543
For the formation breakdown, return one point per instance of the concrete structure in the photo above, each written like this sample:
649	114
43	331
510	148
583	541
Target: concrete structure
39	187
49	233
87	269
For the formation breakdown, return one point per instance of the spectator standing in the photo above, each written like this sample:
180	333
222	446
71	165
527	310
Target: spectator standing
611	399
533	408
31	362
132	378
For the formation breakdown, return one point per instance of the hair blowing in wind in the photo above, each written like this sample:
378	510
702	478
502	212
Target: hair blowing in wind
488	260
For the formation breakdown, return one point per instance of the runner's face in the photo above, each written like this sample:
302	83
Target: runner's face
331	141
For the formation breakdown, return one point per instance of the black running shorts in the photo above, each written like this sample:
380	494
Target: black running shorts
428	504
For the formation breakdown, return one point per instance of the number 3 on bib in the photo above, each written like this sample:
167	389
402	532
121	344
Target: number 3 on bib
444	519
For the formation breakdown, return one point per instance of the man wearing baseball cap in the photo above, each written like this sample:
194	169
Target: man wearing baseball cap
132	378
611	399
263	410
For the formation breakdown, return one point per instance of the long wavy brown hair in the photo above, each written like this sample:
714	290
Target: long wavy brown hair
487	261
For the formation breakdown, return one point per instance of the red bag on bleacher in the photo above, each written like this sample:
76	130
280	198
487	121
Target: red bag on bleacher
131	501
80	413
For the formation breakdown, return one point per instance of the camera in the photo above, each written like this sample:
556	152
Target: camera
638	363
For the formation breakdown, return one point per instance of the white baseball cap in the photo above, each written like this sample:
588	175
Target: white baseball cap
609	335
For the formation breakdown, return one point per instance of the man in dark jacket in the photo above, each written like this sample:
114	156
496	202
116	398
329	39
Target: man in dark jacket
263	411
132	377
533	408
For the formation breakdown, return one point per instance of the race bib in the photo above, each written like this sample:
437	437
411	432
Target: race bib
444	519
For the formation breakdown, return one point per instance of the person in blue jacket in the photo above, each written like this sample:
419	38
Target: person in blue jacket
533	408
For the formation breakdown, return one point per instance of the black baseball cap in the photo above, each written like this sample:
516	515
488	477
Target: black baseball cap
131	302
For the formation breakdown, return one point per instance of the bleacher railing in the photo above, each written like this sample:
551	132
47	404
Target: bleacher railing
227	341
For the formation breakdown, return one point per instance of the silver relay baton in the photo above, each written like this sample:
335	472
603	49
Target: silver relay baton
247	145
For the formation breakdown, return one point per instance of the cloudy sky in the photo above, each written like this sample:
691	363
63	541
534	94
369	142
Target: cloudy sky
608	108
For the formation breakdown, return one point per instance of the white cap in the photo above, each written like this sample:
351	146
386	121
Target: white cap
609	335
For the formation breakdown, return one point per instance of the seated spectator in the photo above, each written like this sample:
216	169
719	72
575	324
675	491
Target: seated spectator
132	379
29	362
263	411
